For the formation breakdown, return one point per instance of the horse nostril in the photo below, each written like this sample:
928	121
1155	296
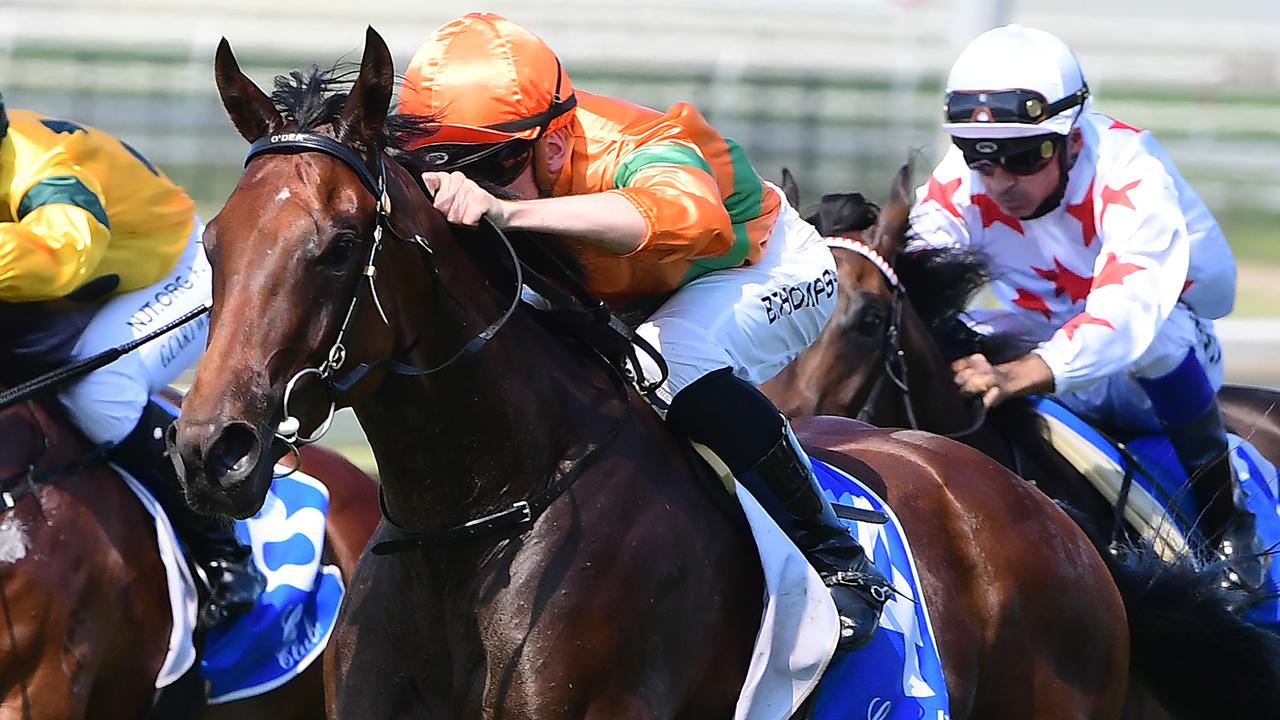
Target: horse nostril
235	452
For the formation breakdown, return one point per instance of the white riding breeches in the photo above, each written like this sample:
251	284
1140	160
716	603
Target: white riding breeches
754	319
107	403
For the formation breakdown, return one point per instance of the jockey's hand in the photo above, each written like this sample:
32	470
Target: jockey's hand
462	201
976	376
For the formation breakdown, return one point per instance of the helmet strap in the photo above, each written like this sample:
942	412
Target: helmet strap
541	171
1065	164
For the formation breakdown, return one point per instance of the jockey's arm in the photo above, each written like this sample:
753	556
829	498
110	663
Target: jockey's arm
1138	276
59	238
607	220
673	212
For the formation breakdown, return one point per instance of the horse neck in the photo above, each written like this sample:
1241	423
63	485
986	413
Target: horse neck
489	430
936	402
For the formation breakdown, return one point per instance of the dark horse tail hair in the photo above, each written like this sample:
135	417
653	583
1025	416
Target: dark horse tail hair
1196	657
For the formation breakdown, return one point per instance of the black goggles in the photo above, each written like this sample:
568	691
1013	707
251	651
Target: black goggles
498	163
1026	156
1025	107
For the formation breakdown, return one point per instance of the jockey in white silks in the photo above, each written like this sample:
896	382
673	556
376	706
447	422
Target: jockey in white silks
1100	251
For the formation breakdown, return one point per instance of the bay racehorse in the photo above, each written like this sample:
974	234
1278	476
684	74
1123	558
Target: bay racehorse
84	609
1210	663
551	548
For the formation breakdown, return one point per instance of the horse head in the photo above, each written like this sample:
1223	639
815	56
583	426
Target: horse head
297	296
835	375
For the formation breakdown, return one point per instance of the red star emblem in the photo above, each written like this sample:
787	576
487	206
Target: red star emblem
1083	211
1084	318
942	193
1119	125
1116	196
1114	272
1028	300
992	214
1065	281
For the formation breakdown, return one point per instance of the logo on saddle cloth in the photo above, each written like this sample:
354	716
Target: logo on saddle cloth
276	641
898	675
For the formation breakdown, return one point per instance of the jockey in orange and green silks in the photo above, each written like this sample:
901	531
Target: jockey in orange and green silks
663	211
704	206
97	248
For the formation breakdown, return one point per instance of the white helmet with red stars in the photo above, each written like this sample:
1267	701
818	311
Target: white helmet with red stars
1014	82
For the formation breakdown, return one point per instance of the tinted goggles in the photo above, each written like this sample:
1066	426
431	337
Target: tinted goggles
1025	158
1025	107
497	163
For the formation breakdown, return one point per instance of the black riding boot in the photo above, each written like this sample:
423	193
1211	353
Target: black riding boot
742	426
1225	522
1187	407
234	580
859	589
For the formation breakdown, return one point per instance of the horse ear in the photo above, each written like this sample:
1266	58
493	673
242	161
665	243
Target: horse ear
891	227
251	111
790	188
366	110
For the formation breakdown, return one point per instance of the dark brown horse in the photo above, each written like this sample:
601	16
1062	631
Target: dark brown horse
1183	635
84	611
563	555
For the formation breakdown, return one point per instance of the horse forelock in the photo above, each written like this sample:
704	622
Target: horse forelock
313	99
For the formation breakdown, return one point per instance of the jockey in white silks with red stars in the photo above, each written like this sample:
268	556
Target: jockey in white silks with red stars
97	248
1099	250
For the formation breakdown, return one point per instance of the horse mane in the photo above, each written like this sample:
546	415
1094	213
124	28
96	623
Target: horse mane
940	283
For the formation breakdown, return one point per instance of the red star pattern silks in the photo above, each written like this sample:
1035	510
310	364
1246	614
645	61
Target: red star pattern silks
1083	211
1064	280
1121	125
1114	272
992	214
1116	196
942	193
1028	300
1083	318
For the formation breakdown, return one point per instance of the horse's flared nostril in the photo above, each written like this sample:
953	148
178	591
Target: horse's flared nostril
234	454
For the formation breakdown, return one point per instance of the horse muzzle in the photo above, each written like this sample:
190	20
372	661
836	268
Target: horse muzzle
222	464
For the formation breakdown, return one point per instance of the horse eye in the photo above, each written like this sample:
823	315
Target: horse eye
870	321
339	251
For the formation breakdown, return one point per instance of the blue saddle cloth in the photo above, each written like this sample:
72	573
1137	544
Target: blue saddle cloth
1162	476
898	675
265	648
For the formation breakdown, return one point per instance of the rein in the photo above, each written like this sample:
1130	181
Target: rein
895	357
521	515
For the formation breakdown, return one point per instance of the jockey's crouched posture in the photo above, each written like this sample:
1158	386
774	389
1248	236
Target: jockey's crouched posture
1099	249
652	203
97	248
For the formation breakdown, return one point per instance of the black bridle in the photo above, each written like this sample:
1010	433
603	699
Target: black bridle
521	515
895	357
